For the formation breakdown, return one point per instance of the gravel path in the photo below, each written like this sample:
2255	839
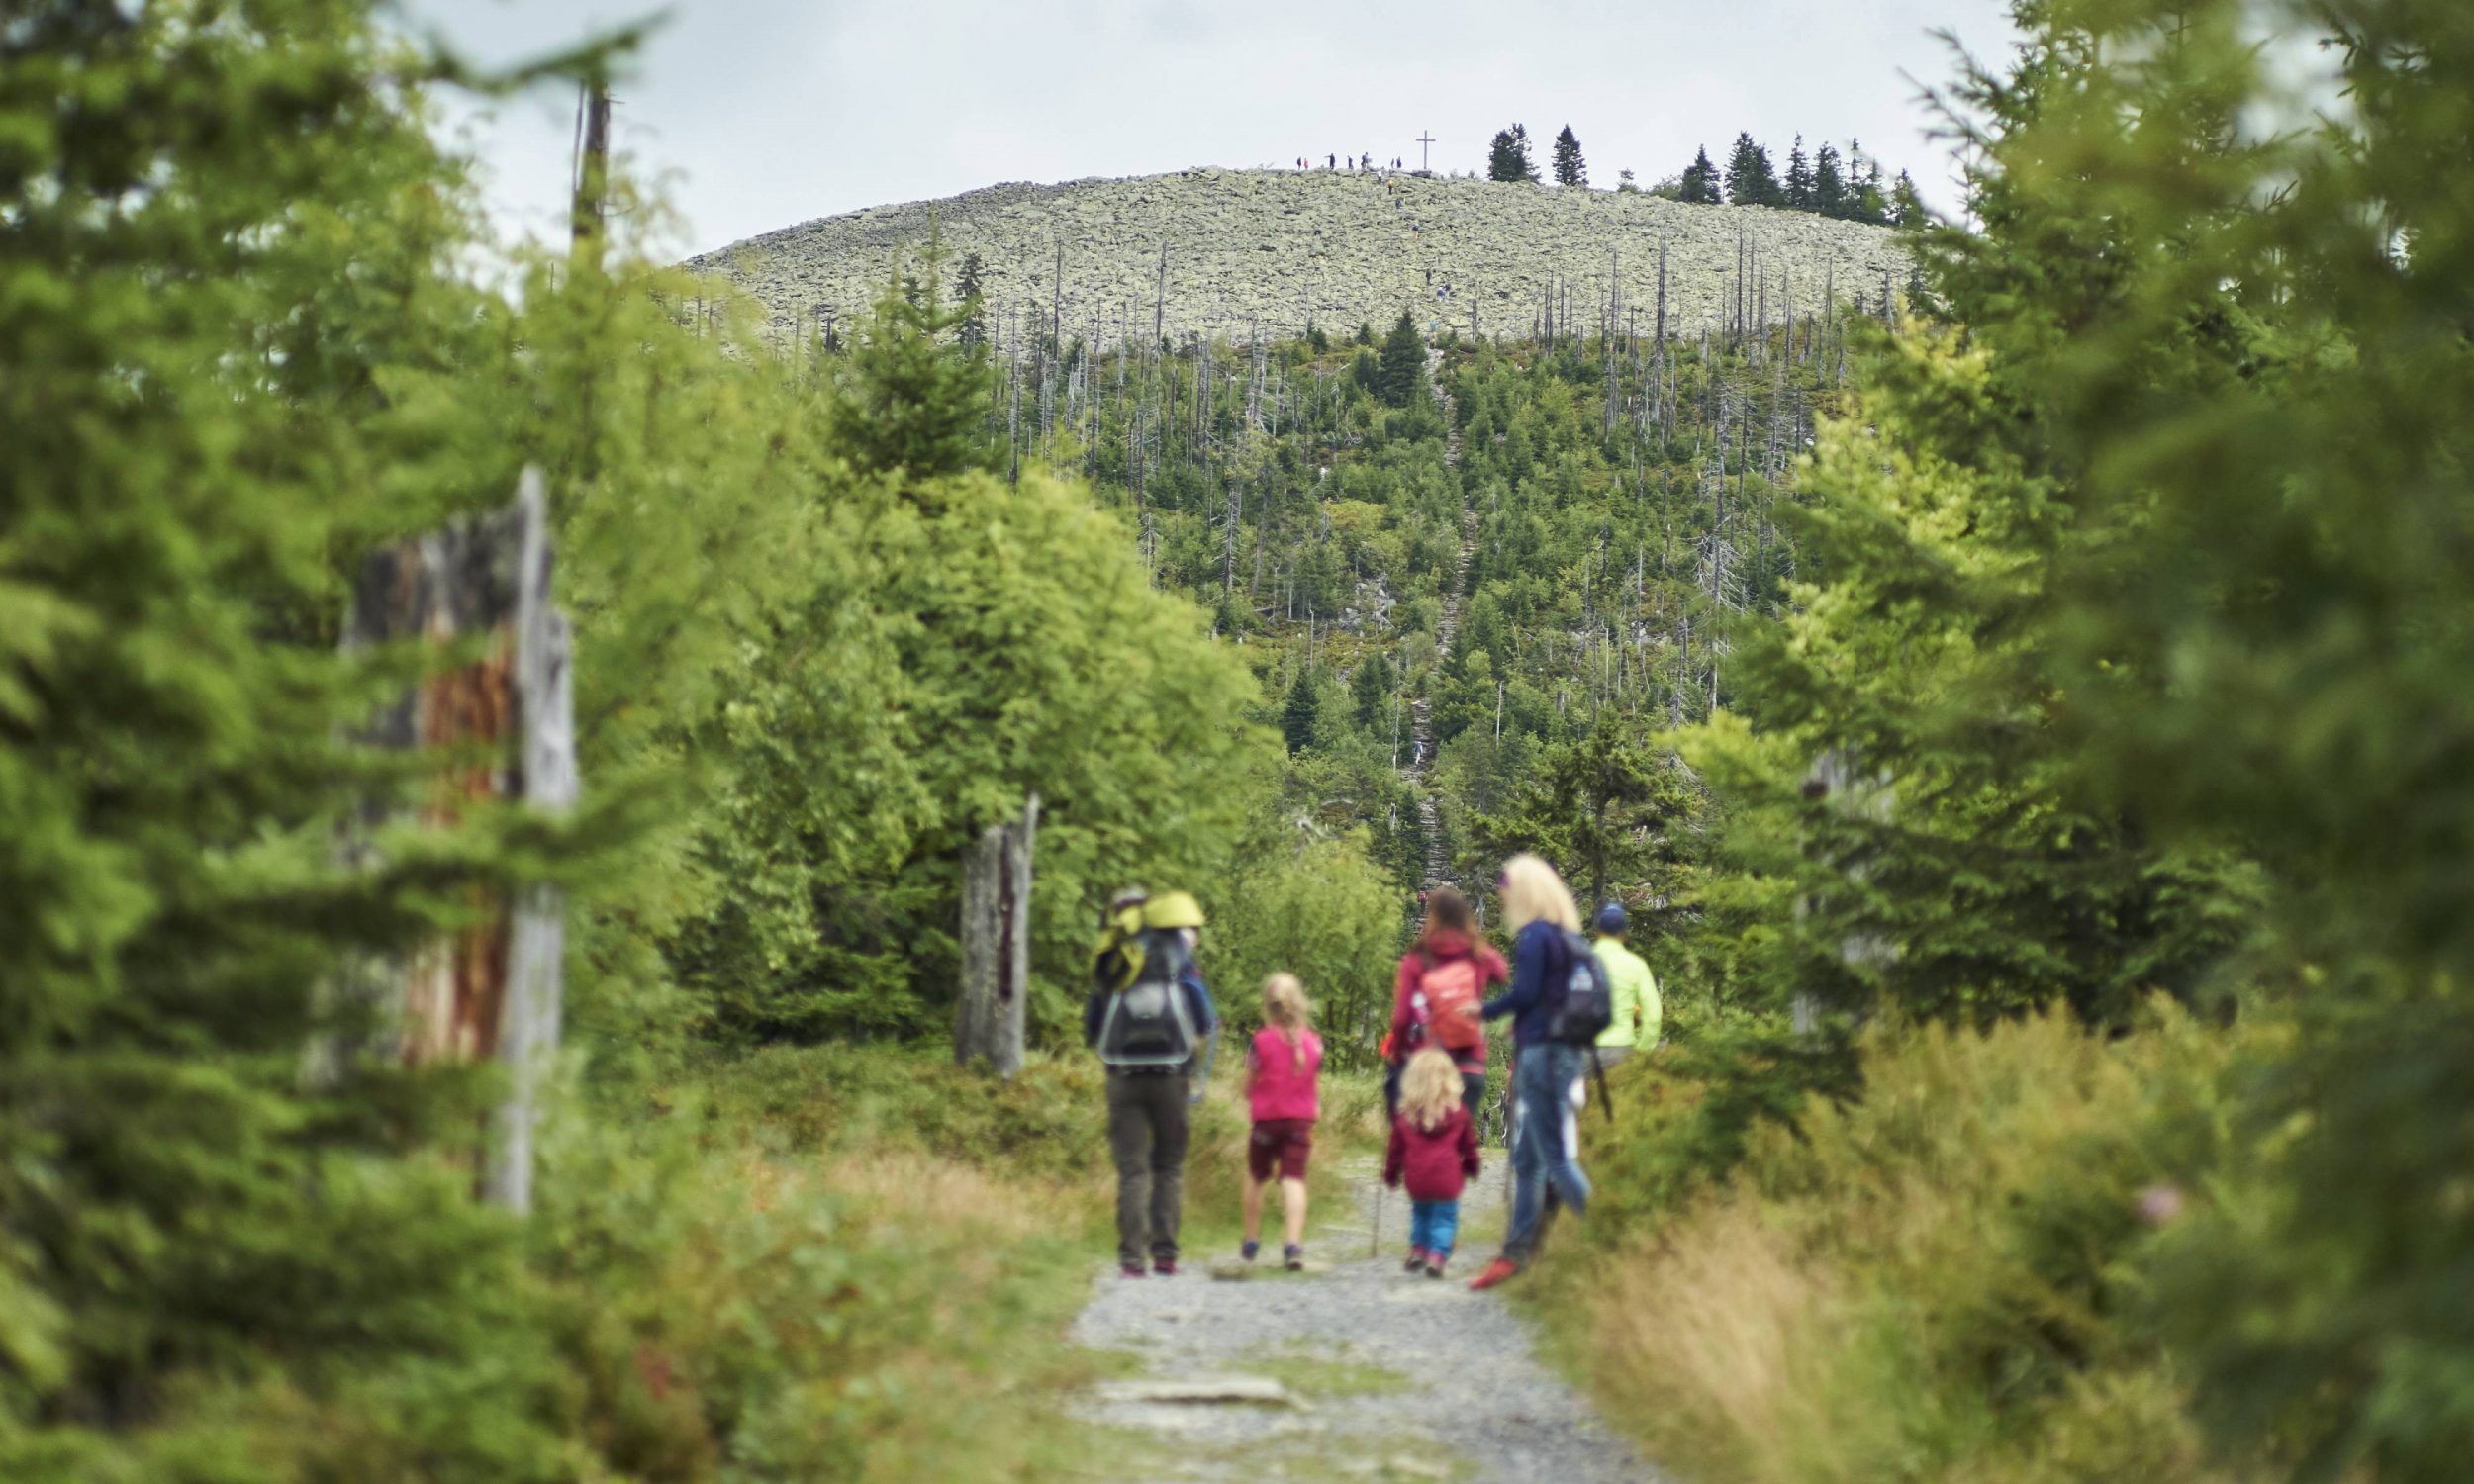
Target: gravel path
1395	1377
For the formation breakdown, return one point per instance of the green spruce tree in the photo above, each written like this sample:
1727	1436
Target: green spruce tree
1300	713
1829	182
1700	183
1750	179
902	400
1906	207
1372	687
970	286
1615	818
1797	189
1402	372
1508	158
1569	168
1867	200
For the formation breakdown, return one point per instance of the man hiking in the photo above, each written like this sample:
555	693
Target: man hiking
1630	983
1150	1018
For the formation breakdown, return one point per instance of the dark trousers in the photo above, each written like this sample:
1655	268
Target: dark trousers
1147	1129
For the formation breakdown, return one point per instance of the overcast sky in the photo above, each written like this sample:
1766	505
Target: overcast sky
758	115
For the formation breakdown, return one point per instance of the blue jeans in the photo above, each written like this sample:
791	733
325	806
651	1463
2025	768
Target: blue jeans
1542	1084
1433	1224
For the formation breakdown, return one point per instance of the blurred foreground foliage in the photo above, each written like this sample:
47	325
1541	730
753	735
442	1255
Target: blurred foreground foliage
2130	669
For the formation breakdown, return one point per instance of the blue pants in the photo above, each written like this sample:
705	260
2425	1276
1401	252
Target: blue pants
1542	1144
1433	1224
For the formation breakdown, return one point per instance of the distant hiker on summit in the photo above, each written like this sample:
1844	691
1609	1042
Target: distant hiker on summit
1150	1018
1558	1003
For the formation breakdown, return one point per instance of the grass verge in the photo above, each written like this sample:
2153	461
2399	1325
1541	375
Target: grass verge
1937	1282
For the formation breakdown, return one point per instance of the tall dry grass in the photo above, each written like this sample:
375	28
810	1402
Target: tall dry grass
1932	1283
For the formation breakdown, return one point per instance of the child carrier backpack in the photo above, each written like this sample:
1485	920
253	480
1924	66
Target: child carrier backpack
1119	959
1444	986
1146	1023
1580	999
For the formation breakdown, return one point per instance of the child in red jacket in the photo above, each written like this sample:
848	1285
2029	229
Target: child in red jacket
1434	1148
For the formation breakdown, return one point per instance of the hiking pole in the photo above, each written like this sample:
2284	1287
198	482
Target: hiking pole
1605	1097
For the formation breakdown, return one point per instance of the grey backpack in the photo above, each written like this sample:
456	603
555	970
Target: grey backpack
1147	1023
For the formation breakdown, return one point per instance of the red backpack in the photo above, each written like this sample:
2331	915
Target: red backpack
1443	988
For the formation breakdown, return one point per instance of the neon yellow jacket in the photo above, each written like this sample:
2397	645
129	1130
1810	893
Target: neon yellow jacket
1635	994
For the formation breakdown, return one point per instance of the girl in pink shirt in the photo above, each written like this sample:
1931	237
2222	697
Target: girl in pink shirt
1282	1069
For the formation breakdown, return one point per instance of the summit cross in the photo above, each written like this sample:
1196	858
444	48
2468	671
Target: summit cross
1423	141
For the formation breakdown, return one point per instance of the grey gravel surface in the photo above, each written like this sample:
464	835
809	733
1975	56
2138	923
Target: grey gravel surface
1394	1376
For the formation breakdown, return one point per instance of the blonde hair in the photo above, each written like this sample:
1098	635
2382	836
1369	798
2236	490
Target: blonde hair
1283	1006
1533	893
1430	1088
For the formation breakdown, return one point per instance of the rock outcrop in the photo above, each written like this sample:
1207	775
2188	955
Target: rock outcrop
1247	250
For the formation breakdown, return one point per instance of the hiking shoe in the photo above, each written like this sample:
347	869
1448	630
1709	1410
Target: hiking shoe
1129	1270
1417	1259
1434	1267
1292	1256
1248	1248
1164	1266
1497	1271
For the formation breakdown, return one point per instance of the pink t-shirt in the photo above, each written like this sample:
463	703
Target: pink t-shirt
1280	1088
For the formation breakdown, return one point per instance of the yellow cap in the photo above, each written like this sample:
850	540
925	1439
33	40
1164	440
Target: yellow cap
1172	909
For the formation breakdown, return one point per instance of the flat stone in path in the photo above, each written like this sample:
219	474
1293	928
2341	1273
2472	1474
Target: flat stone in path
1258	1391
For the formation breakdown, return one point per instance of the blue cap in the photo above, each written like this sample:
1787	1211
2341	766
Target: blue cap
1613	920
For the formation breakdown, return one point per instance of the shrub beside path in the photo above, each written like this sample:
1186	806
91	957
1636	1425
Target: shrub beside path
1379	1374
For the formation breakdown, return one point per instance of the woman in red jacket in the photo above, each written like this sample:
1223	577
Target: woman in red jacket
1449	966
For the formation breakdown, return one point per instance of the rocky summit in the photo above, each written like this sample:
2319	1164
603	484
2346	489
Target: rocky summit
1236	252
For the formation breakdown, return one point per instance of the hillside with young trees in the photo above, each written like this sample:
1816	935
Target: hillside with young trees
1473	580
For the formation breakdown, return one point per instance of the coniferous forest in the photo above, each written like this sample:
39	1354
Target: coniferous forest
2022	711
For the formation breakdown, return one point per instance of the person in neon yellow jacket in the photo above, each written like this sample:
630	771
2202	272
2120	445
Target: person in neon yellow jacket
1634	988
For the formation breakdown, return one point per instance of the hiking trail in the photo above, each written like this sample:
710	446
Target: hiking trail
1358	1371
1421	709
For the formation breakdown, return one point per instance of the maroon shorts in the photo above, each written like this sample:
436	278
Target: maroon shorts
1281	1144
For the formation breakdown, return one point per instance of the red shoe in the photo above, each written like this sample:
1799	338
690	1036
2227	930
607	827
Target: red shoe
1129	1270
1164	1266
1497	1271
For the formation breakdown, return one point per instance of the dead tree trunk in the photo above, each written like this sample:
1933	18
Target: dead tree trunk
494	989
1850	791
996	945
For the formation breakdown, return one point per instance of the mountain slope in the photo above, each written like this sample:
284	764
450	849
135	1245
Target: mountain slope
1239	253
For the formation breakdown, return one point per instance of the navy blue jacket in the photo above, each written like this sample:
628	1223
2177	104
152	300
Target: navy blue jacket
1538	954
